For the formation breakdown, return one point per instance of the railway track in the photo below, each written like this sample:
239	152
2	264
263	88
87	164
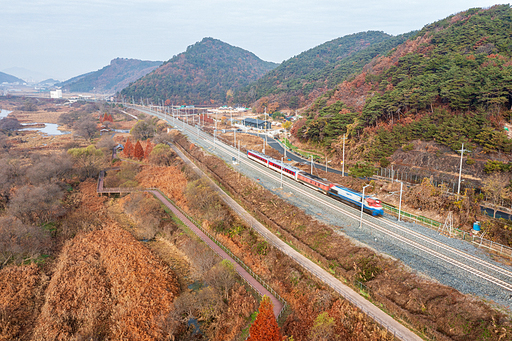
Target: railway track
487	271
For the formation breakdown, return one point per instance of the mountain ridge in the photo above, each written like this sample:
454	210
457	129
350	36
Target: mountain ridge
209	71
111	78
297	80
5	77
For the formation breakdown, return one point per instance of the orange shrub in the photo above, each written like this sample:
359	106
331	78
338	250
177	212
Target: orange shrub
106	285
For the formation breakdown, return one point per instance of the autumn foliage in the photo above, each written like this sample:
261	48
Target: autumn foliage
106	285
170	180
19	286
149	149
128	148
138	151
265	326
106	118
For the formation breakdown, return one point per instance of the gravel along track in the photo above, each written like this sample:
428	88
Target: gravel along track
452	262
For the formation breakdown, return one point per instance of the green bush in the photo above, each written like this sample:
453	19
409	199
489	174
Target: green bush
408	147
384	162
470	161
362	170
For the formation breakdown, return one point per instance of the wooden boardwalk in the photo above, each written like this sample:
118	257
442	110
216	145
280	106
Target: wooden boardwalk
394	327
253	282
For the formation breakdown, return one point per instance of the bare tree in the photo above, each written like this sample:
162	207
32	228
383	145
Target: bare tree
19	241
86	128
9	124
496	189
106	143
46	169
145	129
37	204
222	276
10	175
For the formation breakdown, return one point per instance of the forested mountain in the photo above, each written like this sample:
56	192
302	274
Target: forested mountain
320	68
4	77
112	78
451	82
207	72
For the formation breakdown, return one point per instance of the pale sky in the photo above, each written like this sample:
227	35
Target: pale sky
66	38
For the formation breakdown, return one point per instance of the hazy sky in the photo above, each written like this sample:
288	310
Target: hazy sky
66	38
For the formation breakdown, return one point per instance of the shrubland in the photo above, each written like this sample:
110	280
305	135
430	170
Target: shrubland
390	284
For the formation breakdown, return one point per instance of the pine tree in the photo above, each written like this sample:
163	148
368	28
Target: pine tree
138	152
265	326
128	148
149	148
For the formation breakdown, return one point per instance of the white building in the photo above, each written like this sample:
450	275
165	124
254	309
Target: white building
56	93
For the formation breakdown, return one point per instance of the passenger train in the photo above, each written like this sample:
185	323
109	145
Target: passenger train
371	205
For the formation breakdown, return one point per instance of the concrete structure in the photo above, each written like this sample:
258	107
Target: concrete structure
56	93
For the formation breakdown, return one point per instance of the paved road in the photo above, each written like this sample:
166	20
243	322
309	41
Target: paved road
278	305
367	307
291	156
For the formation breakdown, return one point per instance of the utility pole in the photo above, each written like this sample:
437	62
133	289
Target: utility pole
462	150
400	203
311	164
343	165
265	127
282	165
362	206
214	134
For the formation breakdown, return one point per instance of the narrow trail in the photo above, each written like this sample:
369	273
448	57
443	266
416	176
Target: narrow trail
253	282
386	321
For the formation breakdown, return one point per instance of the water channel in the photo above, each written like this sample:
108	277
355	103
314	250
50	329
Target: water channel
48	129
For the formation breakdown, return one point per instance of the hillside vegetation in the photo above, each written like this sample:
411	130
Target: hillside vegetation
298	79
451	83
112	78
4	77
208	72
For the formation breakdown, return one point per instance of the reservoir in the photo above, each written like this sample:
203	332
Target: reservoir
4	113
49	129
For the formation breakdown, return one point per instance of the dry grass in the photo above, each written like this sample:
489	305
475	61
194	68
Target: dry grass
106	285
441	310
20	290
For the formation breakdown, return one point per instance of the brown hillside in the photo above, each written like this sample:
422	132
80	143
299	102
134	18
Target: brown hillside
106	284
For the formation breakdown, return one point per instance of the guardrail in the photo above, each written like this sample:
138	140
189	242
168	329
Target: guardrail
412	217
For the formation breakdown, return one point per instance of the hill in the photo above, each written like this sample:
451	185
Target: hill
112	78
4	77
451	83
207	72
298	79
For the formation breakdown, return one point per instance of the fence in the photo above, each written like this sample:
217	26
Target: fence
455	232
238	260
449	182
412	217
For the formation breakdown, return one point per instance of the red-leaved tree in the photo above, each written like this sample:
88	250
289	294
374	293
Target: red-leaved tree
265	326
138	152
128	148
149	148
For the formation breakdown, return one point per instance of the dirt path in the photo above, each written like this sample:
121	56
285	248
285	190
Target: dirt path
393	326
